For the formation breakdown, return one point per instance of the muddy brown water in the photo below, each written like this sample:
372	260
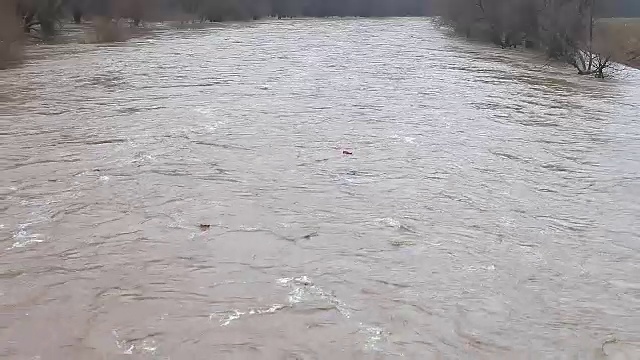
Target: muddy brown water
489	210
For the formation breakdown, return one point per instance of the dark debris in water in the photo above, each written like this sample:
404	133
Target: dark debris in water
303	237
205	227
310	235
401	243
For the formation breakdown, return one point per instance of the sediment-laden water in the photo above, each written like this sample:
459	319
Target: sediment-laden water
489	210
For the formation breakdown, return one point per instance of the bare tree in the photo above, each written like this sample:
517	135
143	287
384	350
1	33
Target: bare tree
564	29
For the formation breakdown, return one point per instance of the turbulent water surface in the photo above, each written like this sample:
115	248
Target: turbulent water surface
489	209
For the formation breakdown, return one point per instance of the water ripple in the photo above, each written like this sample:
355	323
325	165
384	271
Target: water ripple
418	196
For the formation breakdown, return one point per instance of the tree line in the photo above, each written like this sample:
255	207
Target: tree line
43	18
564	29
45	12
627	8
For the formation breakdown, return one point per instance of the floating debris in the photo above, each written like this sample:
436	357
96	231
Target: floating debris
205	227
310	235
346	152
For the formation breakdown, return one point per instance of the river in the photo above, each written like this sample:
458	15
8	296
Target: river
186	195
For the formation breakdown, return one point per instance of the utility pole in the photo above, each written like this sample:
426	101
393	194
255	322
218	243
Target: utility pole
591	8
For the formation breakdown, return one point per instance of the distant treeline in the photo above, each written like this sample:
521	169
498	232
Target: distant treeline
626	8
564	29
225	10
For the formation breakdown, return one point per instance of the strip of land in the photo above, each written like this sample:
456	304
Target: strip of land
621	38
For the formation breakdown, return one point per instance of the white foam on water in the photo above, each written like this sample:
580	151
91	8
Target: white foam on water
270	310
121	344
229	316
23	237
128	348
375	336
149	346
296	296
303	288
235	315
388	222
22	244
347	180
407	139
301	280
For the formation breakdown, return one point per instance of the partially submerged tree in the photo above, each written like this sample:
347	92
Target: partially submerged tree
564	29
40	15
